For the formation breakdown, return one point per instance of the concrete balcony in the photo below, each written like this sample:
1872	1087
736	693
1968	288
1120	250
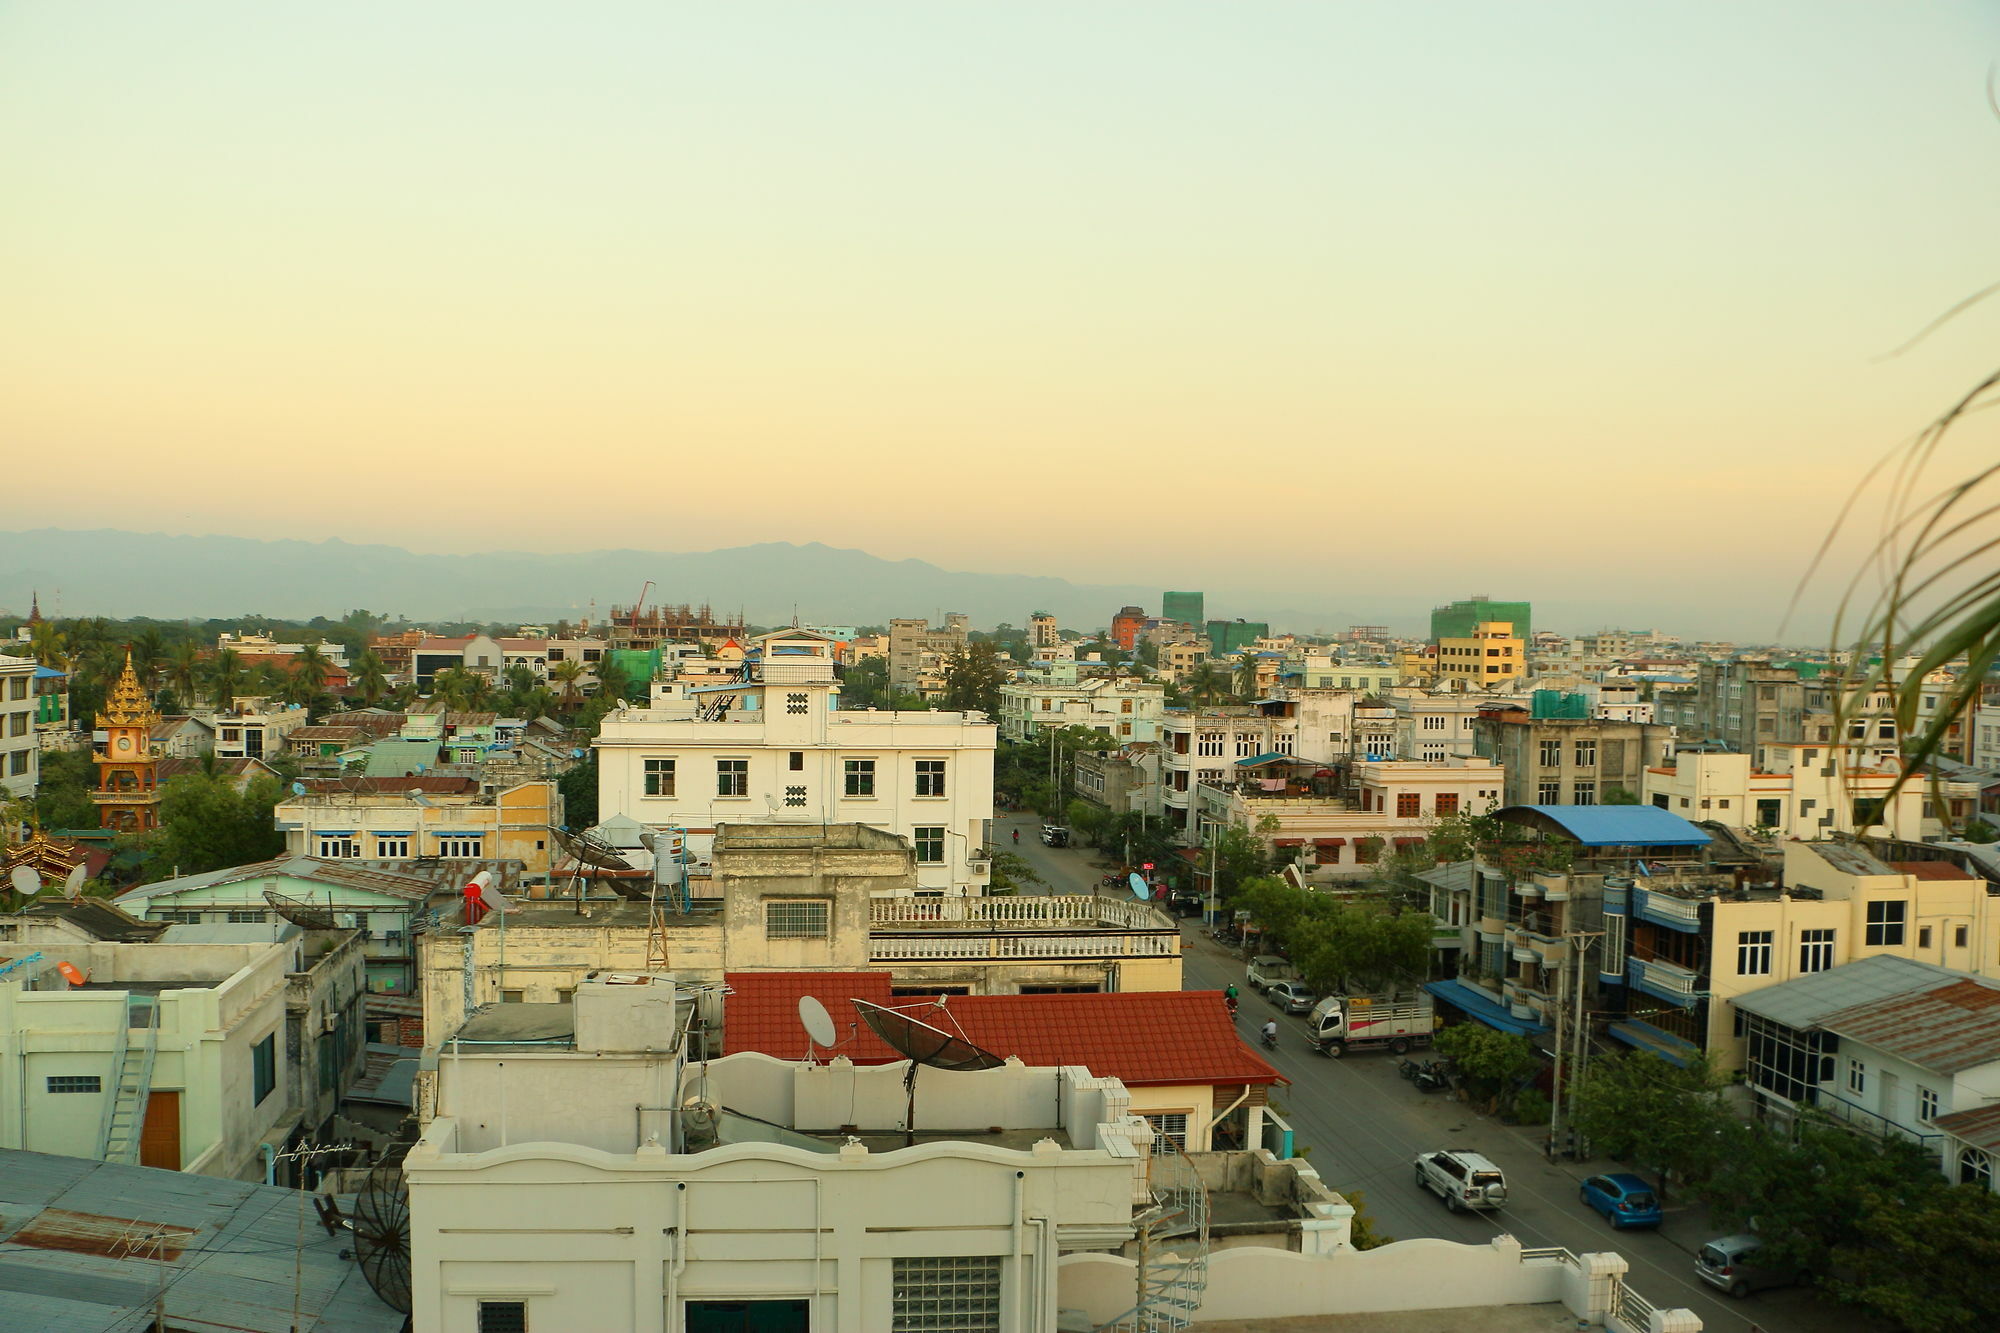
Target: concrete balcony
1674	984
1056	911
1492	929
1017	946
1662	909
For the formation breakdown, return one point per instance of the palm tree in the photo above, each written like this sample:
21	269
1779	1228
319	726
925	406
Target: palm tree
371	678
537	702
569	674
311	667
183	670
149	652
226	677
1246	675
1204	684
49	646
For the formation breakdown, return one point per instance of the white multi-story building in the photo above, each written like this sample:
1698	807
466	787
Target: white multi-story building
1126	708
1796	790
255	728
19	767
771	747
1436	726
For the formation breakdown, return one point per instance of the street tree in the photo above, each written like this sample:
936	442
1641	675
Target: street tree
972	679
1668	1117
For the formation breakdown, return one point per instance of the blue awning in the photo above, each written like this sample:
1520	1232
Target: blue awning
1645	1037
1610	825
1476	1005
1259	760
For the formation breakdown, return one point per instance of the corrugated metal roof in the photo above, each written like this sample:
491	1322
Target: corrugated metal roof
78	1236
1979	1127
1948	1028
395	883
1614	825
1806	1001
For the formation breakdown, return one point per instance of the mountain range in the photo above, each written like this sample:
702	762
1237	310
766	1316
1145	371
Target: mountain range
120	574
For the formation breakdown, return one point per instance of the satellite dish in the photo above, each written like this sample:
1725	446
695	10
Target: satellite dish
1140	887
298	789
25	881
418	797
421	768
923	1043
576	754
73	883
304	915
381	1226
817	1022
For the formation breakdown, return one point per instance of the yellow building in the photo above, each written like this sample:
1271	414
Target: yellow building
1493	656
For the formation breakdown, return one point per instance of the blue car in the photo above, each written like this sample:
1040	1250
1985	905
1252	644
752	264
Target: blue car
1624	1199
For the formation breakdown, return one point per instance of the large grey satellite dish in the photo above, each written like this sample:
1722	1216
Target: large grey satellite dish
817	1022
73	883
25	881
924	1045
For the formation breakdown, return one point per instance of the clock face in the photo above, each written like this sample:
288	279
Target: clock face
124	742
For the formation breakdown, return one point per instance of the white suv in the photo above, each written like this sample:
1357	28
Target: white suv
1464	1180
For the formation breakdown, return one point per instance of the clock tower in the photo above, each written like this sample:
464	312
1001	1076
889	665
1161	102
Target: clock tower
128	793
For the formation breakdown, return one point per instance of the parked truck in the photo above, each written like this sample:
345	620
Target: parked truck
1267	970
1398	1021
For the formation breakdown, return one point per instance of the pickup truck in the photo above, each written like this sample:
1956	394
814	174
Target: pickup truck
1268	969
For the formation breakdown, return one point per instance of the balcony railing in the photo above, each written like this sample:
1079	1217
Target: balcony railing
1667	910
1070	911
1015	946
1674	984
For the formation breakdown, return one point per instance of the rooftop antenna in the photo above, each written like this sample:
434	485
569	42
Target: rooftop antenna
922	1044
818	1024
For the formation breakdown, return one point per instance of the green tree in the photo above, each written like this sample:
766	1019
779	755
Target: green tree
370	679
62	794
1360	946
183	670
578	788
1617	795
226	678
864	684
206	824
972	679
1012	873
1669	1118
1494	1061
311	667
568	676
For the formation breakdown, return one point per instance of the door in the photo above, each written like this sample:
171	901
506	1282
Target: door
748	1317
160	1137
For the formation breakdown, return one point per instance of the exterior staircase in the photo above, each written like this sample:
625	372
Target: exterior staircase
132	1081
1171	1280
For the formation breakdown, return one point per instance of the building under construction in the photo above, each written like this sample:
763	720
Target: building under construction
647	627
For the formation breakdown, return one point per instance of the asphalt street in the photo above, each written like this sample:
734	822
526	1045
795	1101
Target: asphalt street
1364	1126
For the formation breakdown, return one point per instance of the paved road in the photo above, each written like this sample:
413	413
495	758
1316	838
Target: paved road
1365	1124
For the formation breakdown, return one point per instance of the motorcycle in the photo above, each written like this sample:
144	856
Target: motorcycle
1269	1038
1428	1075
1231	1001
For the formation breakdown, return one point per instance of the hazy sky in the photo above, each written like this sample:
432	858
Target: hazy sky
1358	303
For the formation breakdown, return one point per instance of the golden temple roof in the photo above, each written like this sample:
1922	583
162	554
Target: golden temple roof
128	705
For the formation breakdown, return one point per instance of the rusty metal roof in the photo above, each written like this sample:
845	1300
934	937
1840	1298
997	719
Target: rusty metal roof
1948	1028
1979	1127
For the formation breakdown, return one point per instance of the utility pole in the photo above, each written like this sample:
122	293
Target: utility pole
1569	995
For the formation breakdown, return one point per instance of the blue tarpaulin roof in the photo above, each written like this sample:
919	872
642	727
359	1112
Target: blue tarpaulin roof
1478	1005
1612	825
1259	760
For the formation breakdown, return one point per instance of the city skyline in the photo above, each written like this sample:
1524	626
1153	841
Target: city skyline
1592	305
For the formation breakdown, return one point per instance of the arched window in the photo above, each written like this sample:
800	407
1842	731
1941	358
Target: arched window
1975	1168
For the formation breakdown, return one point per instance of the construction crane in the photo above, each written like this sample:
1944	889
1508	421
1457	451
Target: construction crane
636	607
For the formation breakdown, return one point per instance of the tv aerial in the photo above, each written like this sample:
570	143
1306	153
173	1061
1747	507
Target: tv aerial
922	1044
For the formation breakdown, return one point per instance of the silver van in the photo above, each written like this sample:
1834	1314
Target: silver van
1730	1262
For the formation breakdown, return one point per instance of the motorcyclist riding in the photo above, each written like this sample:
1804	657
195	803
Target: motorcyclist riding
1271	1033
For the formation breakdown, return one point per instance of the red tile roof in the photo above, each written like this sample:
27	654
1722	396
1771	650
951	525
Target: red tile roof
1930	869
1141	1038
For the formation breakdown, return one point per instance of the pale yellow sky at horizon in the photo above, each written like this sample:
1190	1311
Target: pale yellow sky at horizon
1435	299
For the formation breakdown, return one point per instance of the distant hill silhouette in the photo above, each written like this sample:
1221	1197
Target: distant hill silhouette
113	573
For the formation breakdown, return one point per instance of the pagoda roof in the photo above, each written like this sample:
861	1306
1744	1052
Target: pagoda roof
127	705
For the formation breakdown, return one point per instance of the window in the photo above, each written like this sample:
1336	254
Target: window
1815	950
1958	937
461	849
1248	745
1209	743
17	762
930	777
1409	804
797	762
796	705
1927	1104
1169	1127
1124	705
338	847
1886	923
75	1083
1975	1168
930	845
1586	754
1282	745
1434	724
1857	1075
1212	776
797	918
1753	953
513	996
1552	754
1923	937
244	918
732	777
392	849
1583	793
263	1068
861	777
659	777
795	797
947	1294
503	1317
1447	803
1549	793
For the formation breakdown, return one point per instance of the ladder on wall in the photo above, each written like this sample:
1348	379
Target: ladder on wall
132	1081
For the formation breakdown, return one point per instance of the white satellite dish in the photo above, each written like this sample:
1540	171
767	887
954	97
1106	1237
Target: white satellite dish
817	1021
73	884
496	901
25	881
